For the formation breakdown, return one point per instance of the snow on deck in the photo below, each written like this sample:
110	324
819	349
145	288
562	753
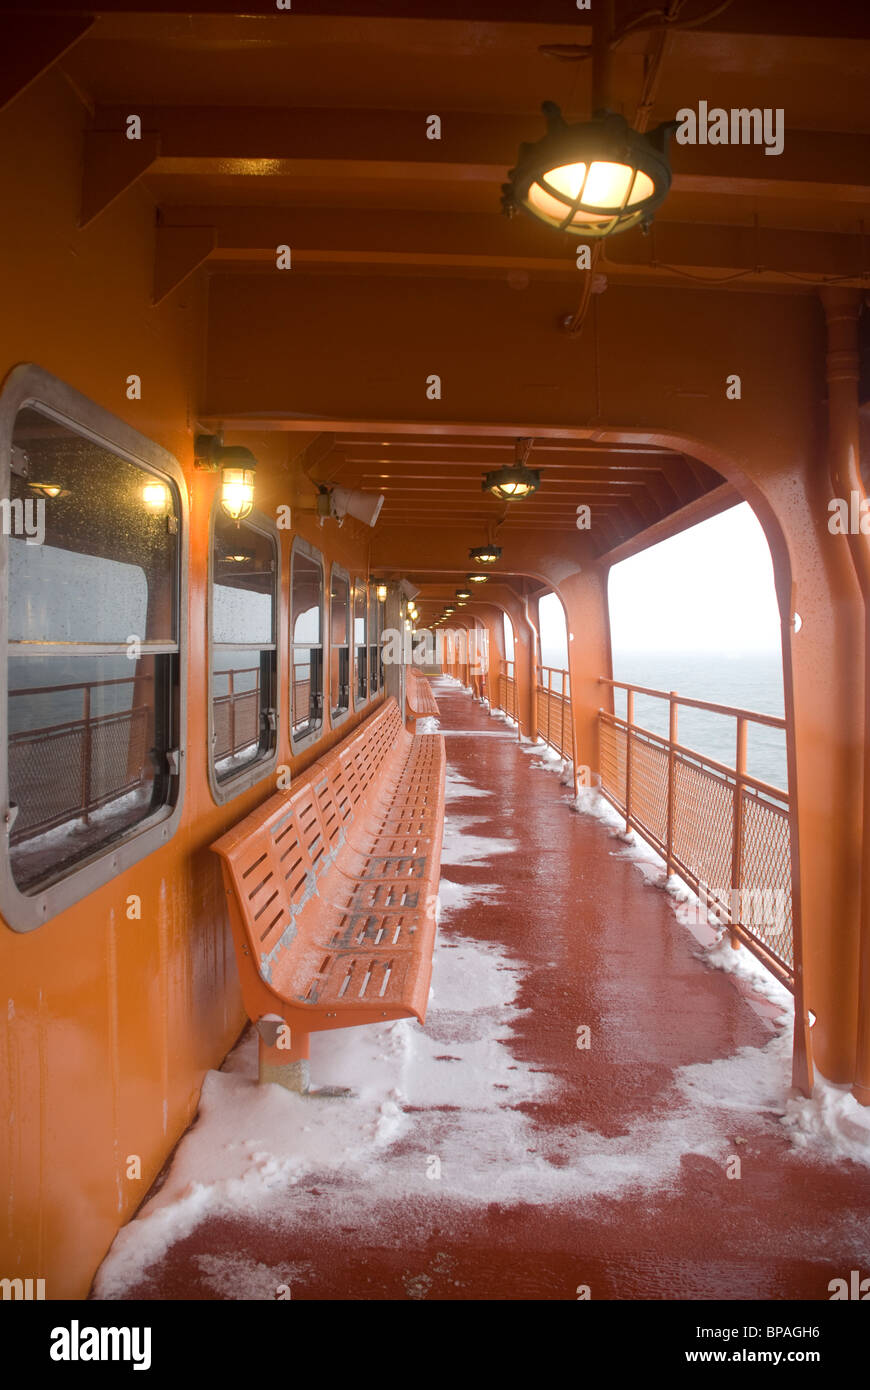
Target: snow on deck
493	1109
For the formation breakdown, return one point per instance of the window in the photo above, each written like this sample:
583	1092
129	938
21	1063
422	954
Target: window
360	654
306	657
339	680
508	629
374	629
244	675
93	699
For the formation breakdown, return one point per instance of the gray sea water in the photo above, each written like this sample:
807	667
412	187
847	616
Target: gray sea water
751	680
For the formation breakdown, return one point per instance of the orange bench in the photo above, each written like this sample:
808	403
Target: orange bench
332	888
420	703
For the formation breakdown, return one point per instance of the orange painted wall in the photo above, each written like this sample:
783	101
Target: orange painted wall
109	1025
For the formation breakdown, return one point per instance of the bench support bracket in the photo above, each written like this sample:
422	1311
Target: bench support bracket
287	1065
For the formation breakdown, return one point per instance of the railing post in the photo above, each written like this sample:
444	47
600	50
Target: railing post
86	755
672	782
737	831
629	719
549	702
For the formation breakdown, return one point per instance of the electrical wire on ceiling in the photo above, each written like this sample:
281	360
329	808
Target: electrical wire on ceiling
668	18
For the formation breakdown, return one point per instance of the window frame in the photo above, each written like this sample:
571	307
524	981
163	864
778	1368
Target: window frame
359	586
374	610
226	788
298	743
337	719
29	385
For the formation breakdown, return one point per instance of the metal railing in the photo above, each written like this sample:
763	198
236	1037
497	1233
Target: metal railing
507	690
555	724
236	715
723	831
63	772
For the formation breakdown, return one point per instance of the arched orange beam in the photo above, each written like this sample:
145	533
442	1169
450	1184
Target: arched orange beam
504	599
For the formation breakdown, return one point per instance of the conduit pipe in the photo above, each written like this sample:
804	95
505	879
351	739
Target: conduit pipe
842	307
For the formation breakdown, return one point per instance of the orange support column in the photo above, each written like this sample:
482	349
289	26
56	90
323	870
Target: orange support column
584	595
842	307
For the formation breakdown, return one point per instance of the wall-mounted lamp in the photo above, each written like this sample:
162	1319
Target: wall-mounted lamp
237	467
155	497
382	593
237	492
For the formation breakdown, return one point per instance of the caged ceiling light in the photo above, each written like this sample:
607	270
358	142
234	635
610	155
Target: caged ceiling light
485	555
509	484
463	593
591	179
477	578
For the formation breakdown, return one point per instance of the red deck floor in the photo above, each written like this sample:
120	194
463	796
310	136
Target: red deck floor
601	948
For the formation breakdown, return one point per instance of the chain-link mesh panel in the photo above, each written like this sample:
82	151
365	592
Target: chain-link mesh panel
649	788
117	754
765	876
704	828
236	722
507	695
45	778
702	848
55	776
554	722
613	760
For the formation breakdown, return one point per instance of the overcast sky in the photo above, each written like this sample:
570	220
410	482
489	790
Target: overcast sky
708	589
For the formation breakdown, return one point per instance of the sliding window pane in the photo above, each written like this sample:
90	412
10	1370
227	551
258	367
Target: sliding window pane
244	652
306	619
373	640
339	685
360	655
92	661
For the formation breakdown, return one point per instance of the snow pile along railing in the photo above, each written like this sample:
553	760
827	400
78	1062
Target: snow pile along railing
727	834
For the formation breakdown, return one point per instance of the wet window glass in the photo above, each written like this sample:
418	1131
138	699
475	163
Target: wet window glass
374	663
360	654
243	647
92	660
306	659
339	683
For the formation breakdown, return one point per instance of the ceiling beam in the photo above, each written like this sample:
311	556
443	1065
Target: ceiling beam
797	18
29	46
267	141
483	242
